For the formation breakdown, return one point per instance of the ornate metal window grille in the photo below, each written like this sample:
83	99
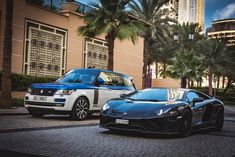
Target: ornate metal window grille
45	51
96	54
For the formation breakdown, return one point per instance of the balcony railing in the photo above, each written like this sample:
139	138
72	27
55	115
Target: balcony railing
56	5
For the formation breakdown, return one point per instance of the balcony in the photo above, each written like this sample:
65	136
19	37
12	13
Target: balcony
55	5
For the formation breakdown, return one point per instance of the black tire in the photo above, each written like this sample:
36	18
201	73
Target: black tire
80	109
186	123
36	114
219	120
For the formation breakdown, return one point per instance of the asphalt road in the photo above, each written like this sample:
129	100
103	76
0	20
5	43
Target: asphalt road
94	141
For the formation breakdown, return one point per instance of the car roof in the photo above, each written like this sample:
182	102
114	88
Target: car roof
99	70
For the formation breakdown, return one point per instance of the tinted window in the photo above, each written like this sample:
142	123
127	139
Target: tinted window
149	94
111	79
190	96
203	96
79	76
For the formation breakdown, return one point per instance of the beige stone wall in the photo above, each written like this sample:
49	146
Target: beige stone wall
171	83
128	57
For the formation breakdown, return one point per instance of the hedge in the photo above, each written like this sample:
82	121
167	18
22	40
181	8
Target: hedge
21	82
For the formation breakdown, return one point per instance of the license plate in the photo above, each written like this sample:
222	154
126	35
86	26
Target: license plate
40	98
122	121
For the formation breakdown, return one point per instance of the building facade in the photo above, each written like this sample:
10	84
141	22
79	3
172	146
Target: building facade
191	11
223	29
45	41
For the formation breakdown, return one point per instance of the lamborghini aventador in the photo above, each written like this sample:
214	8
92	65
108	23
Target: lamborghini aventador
163	110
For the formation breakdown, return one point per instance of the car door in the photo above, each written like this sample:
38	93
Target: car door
104	91
198	108
118	85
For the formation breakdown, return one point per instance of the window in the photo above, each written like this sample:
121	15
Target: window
149	94
111	79
44	50
96	54
190	96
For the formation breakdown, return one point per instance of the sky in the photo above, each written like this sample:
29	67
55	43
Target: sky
218	9
214	10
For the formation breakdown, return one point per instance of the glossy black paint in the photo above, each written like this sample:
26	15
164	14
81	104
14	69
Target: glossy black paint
145	116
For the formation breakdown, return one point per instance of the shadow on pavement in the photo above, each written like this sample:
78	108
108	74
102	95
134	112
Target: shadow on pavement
63	117
141	135
225	133
9	153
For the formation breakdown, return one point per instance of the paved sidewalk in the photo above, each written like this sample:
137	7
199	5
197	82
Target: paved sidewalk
13	111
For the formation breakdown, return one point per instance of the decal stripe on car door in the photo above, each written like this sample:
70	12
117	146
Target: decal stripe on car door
96	97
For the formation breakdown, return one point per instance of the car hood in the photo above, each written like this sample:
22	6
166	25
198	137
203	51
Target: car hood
140	109
59	86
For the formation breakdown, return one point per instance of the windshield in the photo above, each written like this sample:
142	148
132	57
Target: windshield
158	94
79	76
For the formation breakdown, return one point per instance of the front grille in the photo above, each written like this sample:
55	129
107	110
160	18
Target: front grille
44	92
158	124
43	103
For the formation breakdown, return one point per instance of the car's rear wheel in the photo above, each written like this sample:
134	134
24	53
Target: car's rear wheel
80	109
186	124
219	120
36	114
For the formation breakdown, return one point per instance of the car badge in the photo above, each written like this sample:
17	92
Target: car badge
41	91
124	113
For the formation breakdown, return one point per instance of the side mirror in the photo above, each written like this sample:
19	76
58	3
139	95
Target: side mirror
123	96
196	100
99	82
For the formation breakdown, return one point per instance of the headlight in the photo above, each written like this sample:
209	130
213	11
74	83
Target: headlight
106	107
166	112
29	90
161	111
64	92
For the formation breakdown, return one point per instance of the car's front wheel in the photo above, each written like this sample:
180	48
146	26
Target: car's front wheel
219	120
186	124
80	109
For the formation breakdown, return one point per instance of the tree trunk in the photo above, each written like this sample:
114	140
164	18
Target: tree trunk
210	75
6	61
223	82
218	82
188	81
156	69
145	57
164	70
183	82
192	84
110	38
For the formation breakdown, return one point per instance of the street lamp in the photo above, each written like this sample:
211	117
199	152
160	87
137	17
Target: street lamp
191	36
176	37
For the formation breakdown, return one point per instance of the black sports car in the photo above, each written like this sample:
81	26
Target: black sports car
163	110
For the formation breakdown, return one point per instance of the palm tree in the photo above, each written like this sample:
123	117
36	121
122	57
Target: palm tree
186	66
112	19
162	52
149	11
186	43
6	62
215	57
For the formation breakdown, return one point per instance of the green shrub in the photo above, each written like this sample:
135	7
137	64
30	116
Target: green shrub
17	102
21	82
